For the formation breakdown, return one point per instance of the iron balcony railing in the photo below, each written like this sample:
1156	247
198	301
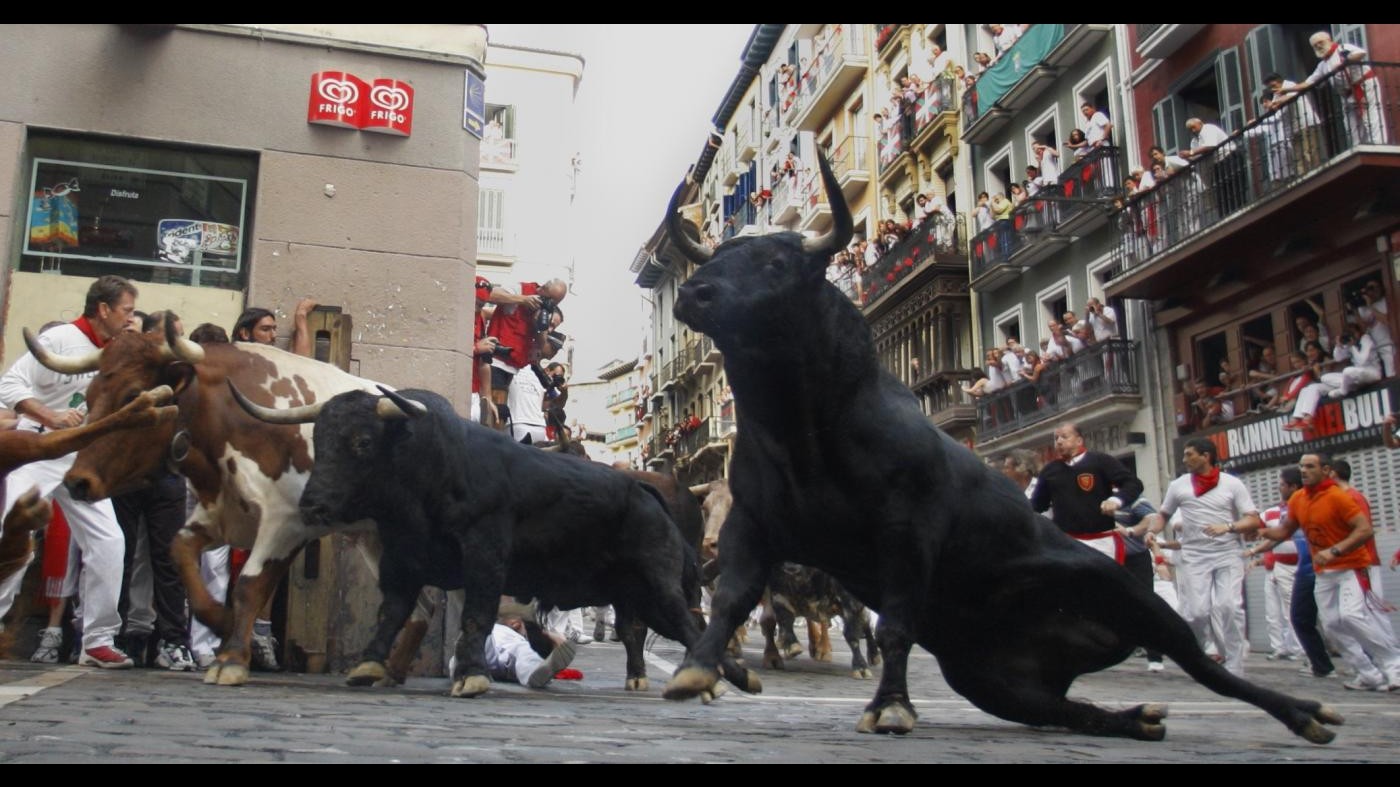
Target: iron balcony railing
1264	160
1097	176
693	441
1103	369
939	96
850	156
492	241
940	235
787	192
884	34
624	433
894	139
625	395
744	215
828	59
498	151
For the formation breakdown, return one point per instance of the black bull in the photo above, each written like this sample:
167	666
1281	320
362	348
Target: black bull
464	506
849	476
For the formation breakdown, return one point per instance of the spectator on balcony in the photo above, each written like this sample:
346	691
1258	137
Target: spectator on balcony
1355	83
1211	408
1274	139
1205	137
1083	333
1171	164
941	61
983	61
1353	348
1003	36
908	94
1018	195
1047	162
1001	207
995	378
921	209
1078	144
1374	318
842	273
1102	319
1263	370
1098	130
983	212
792	167
1300	119
871	251
1302	378
1011	361
493	143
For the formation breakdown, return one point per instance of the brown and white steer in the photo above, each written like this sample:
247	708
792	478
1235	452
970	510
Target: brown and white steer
247	475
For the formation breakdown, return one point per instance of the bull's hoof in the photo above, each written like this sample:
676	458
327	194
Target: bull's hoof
367	673
390	681
895	719
874	658
753	685
1150	732
227	674
866	723
1152	713
637	684
470	686
792	651
1327	715
772	661
861	674
824	655
1316	733
690	682
719	690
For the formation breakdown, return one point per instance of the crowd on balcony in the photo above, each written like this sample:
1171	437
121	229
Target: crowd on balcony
1012	364
848	268
1318	369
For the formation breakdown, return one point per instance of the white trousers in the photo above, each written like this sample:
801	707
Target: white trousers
96	533
1278	609
1351	378
1308	398
213	569
1365	119
509	655
563	621
1211	593
1342	606
535	431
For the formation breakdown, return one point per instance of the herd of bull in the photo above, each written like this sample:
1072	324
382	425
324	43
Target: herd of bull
834	467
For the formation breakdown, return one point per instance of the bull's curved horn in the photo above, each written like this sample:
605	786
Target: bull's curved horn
842	226
700	490
695	252
304	414
183	349
394	406
63	364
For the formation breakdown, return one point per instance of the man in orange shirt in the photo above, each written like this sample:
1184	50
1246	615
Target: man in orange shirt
1347	582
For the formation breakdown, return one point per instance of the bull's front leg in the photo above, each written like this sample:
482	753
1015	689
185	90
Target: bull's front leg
399	593
483	572
29	514
903	593
633	635
185	550
744	568
271	557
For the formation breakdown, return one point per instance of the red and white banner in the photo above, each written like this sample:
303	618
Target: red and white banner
339	98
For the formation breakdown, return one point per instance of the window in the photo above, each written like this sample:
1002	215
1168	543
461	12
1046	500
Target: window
1281	49
1213	93
144	212
504	116
1008	325
1304	313
491	222
1211	352
998	173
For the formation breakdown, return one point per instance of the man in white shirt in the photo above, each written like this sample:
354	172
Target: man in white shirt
1215	509
1205	137
47	400
1374	318
525	401
1102	319
1299	117
1099	130
1356	83
1225	176
1048	161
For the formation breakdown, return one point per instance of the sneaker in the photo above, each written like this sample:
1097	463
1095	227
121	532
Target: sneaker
50	640
204	659
562	656
1155	666
174	657
1295	425
104	657
1357	684
1336	394
580	638
135	647
264	647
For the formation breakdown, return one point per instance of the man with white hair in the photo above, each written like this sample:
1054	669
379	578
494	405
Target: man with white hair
1355	82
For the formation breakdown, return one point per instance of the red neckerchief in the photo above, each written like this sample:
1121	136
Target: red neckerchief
1204	483
87	329
1320	486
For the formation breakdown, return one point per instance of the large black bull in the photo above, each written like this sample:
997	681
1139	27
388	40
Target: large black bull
464	506
850	477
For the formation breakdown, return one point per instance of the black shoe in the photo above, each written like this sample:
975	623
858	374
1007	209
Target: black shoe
135	646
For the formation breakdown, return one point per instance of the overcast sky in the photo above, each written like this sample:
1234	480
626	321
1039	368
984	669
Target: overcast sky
644	109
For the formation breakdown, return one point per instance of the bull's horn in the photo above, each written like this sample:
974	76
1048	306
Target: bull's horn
394	406
63	364
304	414
700	490
695	252
183	349
842	226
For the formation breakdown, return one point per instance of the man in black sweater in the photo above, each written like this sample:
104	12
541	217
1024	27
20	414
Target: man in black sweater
1086	489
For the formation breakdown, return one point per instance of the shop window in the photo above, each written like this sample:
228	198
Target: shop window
1302	314
147	213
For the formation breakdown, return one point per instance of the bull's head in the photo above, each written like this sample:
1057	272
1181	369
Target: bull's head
353	438
749	285
128	366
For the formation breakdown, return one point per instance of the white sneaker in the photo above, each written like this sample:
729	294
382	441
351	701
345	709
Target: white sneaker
1357	684
174	657
579	637
204	659
560	658
50	640
1155	666
264	652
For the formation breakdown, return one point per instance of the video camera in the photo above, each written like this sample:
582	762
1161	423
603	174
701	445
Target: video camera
545	316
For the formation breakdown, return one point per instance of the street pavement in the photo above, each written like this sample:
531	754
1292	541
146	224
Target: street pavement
805	714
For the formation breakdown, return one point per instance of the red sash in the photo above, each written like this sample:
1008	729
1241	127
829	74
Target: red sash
1096	542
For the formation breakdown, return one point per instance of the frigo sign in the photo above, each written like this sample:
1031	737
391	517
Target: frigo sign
1338	425
341	99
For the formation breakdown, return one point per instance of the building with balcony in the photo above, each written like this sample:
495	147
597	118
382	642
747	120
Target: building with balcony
1293	221
529	144
1056	249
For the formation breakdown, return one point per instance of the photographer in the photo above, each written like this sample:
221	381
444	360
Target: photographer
1358	349
1103	319
556	395
523	326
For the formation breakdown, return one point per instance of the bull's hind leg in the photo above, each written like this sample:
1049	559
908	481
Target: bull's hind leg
633	635
891	711
251	593
852	627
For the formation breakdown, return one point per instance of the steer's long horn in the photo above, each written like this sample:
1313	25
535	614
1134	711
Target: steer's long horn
700	490
183	349
304	414
696	252
842	226
63	364
394	406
